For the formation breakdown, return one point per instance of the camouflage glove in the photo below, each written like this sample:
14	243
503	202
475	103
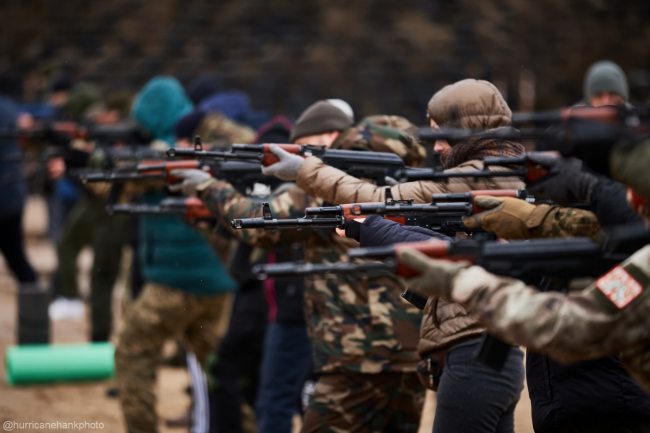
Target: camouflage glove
567	182
436	276
193	181
507	217
288	166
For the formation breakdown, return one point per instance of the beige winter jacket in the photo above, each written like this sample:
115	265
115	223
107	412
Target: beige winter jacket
472	104
336	187
443	322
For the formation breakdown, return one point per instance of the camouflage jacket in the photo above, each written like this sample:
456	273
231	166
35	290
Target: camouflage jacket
221	131
355	323
608	317
384	133
562	222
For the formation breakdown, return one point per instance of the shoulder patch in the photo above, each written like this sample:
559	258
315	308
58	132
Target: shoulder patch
619	286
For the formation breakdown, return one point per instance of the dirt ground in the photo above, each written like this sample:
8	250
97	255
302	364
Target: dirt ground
88	401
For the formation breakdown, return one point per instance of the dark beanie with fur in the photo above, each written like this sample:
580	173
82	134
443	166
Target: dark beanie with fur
319	118
187	124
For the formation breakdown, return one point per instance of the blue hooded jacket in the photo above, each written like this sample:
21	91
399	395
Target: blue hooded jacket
159	105
172	253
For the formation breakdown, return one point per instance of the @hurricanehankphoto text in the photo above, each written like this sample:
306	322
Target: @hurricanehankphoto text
55	425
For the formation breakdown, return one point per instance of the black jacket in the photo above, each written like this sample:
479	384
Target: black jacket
376	231
586	390
609	204
590	389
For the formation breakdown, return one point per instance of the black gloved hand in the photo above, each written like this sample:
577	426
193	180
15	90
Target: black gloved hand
353	230
568	181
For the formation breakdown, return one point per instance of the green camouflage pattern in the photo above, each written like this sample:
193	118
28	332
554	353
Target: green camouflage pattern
628	162
569	328
160	313
384	133
219	131
226	204
362	403
564	222
357	324
89	224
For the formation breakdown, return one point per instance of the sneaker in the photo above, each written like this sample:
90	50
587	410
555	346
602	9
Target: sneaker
67	308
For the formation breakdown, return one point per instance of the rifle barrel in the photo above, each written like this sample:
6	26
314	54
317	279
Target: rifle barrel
292	270
297	223
244	156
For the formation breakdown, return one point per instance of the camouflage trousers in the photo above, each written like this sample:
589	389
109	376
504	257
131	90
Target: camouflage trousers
358	402
89	224
160	313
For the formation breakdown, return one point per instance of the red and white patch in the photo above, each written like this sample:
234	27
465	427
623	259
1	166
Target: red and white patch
619	287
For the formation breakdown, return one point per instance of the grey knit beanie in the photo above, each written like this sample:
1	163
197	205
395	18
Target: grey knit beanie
605	75
319	118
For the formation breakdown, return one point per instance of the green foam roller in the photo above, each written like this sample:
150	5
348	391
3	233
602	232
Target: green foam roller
59	363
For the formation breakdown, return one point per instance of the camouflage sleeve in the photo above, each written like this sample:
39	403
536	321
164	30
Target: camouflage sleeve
562	222
226	204
217	129
569	328
384	133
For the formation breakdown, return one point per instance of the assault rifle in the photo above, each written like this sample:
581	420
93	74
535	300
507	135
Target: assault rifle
371	165
454	135
125	132
589	133
445	218
547	263
608	114
44	130
524	168
191	208
530	261
132	154
241	175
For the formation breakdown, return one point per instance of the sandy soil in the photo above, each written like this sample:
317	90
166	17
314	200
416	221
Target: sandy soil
88	401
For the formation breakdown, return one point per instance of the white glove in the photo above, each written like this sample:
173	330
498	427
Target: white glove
288	166
191	180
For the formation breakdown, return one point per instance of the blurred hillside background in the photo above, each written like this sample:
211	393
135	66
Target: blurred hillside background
382	56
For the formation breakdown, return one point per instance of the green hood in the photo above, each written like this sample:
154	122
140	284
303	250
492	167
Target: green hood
159	105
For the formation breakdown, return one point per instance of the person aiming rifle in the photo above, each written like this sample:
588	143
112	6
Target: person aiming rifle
468	104
361	359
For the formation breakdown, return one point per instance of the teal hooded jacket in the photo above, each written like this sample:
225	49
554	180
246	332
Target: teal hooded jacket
172	253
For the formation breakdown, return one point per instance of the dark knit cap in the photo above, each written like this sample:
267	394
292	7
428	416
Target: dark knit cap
276	130
202	87
605	76
319	118
189	123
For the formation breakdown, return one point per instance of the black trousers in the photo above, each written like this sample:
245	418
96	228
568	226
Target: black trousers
236	372
12	247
